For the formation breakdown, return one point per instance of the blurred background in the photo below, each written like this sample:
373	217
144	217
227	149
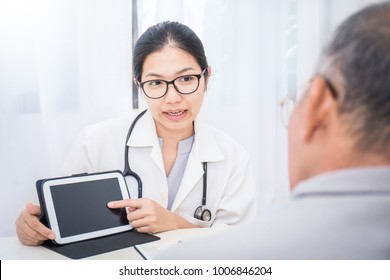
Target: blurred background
65	64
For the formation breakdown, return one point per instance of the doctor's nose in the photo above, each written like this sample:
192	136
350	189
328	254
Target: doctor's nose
172	95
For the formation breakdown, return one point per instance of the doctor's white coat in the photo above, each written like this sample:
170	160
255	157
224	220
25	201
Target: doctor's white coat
231	194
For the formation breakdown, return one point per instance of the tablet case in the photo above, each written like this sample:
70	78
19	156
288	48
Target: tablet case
95	246
100	245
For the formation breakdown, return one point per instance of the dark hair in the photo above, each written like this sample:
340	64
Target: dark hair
163	34
359	58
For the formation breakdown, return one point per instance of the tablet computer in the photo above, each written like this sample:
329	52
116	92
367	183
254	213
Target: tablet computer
76	206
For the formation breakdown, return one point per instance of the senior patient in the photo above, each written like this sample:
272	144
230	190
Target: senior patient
339	160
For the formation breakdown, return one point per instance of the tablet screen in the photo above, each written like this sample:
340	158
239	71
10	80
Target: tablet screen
88	199
76	206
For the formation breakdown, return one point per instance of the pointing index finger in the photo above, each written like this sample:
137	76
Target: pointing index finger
120	204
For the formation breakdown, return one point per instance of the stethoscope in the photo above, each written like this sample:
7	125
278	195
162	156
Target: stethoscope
201	212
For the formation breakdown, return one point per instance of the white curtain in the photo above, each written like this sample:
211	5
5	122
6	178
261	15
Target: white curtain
67	63
63	64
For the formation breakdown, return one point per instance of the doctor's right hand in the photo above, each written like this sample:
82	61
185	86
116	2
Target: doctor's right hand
29	229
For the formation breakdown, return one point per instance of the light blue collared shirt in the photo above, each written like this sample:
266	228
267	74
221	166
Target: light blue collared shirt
177	172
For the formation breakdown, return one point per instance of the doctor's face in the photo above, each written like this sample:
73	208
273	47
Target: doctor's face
174	112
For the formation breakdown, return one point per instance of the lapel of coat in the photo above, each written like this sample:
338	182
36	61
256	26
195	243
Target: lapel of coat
144	135
204	149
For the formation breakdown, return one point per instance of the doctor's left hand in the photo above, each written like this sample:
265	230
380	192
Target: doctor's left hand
146	215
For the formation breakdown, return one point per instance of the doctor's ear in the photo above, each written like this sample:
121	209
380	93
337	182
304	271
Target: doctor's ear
207	77
208	72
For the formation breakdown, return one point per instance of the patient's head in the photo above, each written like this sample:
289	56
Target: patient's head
343	120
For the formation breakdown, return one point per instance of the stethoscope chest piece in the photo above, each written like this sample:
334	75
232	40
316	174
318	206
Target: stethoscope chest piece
202	214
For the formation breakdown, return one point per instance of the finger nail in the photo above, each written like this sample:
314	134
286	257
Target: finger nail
51	236
110	204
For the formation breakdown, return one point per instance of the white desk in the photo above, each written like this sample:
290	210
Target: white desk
12	249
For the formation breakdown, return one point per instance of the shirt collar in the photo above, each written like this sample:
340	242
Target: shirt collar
353	180
184	147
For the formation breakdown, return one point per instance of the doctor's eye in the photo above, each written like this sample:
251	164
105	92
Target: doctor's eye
154	83
187	79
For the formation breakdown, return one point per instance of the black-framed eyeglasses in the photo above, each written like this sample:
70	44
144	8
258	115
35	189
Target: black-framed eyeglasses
185	84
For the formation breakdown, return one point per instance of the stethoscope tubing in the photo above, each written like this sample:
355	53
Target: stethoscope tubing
127	170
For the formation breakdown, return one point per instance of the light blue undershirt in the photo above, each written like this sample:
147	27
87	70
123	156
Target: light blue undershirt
178	168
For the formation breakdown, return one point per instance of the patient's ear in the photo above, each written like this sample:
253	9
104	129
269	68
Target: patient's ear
318	108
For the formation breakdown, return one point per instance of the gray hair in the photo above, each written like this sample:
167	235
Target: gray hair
357	61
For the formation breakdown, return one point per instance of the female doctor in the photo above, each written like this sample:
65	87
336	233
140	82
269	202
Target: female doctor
192	175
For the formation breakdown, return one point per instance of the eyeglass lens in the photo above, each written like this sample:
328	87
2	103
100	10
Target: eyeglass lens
183	84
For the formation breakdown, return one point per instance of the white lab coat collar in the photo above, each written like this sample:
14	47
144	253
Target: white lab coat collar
204	149
144	133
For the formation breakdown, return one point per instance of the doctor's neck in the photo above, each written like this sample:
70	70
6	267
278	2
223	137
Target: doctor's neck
175	134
